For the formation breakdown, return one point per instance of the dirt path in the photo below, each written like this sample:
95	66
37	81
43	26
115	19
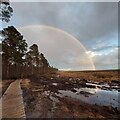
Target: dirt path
11	104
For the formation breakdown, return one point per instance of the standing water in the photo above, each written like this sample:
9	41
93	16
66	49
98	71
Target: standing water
93	96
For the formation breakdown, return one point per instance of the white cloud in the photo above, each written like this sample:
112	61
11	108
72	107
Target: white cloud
107	61
93	54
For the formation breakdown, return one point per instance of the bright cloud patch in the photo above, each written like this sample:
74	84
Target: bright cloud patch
106	60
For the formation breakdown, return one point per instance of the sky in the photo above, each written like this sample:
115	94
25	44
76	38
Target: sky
93	24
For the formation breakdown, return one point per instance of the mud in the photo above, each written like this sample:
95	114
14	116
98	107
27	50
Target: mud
55	96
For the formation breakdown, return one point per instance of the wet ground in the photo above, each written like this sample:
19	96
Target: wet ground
53	96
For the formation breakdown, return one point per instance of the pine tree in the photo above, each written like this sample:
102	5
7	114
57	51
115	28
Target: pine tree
14	47
33	57
44	62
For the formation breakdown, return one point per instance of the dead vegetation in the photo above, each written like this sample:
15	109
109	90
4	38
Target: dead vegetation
41	100
105	76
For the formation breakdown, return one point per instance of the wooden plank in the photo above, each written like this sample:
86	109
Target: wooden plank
12	102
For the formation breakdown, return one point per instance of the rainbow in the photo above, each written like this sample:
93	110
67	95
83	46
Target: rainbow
61	31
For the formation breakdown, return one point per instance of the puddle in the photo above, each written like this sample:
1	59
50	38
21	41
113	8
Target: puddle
98	85
53	99
100	94
55	84
47	93
96	96
51	96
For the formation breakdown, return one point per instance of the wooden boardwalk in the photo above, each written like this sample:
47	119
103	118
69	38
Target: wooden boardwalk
11	103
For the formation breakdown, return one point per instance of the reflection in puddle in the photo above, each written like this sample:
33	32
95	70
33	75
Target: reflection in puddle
89	90
99	85
55	84
96	96
53	99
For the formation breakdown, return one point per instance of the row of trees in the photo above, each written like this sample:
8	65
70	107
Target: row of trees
17	60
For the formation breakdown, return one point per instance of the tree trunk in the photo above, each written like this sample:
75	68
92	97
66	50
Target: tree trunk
7	70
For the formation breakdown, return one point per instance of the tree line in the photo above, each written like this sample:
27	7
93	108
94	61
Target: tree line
19	61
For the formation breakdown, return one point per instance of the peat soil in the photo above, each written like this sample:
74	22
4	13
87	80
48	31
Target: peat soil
43	97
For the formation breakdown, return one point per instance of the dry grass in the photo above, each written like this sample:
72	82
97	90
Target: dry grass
99	76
